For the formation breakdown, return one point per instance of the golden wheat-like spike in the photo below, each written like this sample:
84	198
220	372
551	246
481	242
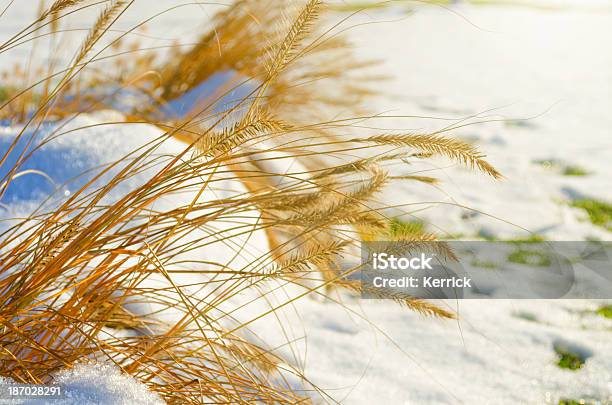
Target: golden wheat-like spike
437	145
335	214
283	54
297	32
253	125
421	179
102	23
344	208
60	5
361	165
293	202
375	184
367	220
309	259
51	249
417	304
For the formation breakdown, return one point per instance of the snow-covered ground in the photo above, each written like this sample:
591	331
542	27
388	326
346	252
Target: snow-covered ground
547	72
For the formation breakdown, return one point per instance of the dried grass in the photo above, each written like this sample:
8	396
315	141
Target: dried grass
72	279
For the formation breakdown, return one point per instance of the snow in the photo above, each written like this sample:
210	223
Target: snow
547	73
96	384
492	355
502	62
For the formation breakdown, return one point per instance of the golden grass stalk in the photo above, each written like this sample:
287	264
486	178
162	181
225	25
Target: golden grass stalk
419	305
105	19
438	145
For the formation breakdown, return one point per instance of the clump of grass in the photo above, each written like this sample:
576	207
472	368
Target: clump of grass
529	258
600	212
399	227
573	170
484	264
568	359
534	238
564	168
75	277
605	311
571	401
528	316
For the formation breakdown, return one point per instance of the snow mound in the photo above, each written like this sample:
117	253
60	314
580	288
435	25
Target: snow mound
97	384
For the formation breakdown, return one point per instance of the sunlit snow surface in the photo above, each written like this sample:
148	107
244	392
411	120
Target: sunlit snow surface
551	65
63	157
95	384
537	80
